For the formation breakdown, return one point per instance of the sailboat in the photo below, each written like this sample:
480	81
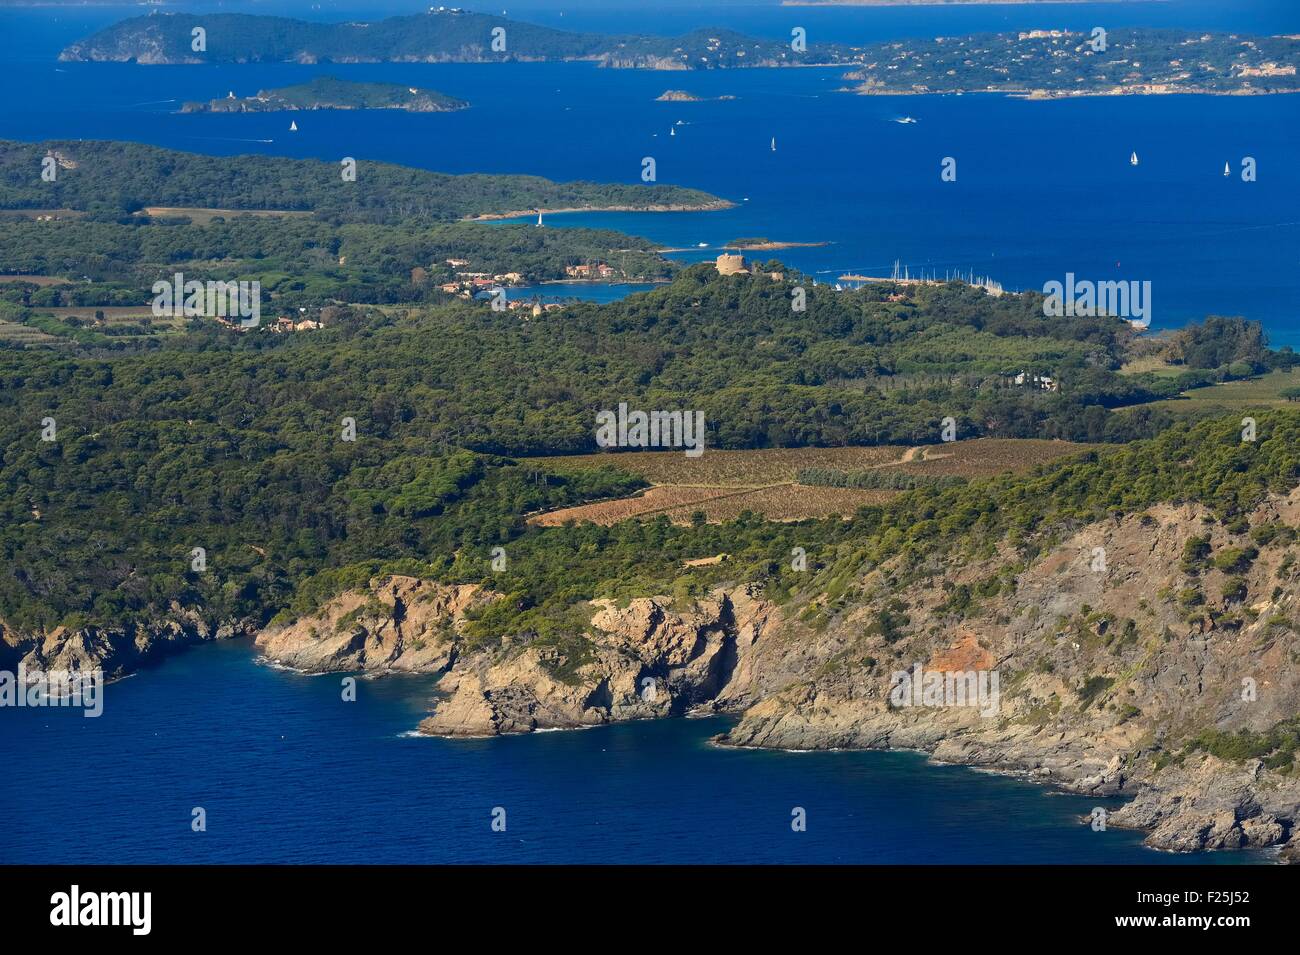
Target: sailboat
1133	160
293	126
773	144
672	131
1225	169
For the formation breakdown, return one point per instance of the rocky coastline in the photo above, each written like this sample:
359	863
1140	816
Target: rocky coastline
1108	685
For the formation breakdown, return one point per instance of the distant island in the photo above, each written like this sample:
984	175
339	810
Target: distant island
438	36
763	244
1046	64
681	96
327	92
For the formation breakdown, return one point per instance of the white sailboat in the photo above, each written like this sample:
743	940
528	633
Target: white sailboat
1225	169
293	126
773	144
1133	160
672	131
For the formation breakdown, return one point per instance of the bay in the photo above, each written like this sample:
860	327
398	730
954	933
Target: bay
286	771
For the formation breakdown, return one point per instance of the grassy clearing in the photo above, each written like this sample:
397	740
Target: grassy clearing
780	502
784	502
986	457
724	484
1153	366
753	469
41	280
1262	392
648	503
111	312
201	216
26	335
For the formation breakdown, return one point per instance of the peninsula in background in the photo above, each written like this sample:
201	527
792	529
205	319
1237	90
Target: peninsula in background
1041	63
112	178
439	36
1056	63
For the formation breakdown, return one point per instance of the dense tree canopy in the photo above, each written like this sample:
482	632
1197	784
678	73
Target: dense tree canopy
234	443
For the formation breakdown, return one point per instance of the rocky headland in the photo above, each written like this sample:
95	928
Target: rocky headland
1114	680
1131	664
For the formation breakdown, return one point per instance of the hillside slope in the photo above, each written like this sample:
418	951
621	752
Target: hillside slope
437	36
1142	647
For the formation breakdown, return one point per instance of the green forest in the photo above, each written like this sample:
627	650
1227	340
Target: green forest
235	443
300	261
402	438
108	179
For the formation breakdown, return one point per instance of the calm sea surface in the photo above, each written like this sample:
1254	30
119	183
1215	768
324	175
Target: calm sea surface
288	772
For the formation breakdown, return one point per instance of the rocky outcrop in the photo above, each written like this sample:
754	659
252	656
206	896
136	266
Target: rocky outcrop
1153	657
636	662
117	651
682	96
646	659
398	623
1213	805
1120	667
1113	657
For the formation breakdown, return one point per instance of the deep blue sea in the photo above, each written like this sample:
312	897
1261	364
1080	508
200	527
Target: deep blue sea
287	772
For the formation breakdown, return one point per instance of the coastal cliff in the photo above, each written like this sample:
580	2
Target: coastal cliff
1130	664
638	661
642	661
116	650
1150	657
397	624
1125	670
